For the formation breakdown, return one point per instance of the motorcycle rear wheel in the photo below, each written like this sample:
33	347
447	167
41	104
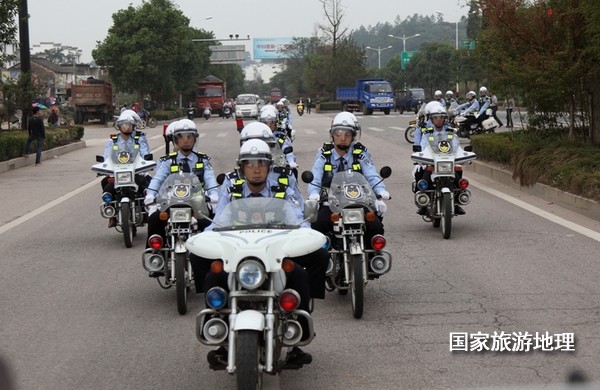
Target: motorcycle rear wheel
409	134
446	215
141	124
181	282
152	122
357	285
126	225
246	360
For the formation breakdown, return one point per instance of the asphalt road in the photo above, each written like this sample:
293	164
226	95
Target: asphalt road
78	311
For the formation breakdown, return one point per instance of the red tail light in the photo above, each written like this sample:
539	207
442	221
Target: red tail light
378	242
155	242
289	300
463	184
239	123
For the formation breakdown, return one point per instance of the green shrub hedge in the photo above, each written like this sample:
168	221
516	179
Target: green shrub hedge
13	142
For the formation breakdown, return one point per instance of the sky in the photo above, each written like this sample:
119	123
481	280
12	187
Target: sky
81	23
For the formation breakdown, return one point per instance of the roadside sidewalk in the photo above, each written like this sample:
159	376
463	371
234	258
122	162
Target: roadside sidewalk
21	162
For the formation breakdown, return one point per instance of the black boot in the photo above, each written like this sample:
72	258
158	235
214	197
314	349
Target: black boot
422	211
458	210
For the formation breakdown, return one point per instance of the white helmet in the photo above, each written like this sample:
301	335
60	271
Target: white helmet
268	107
431	106
471	94
170	128
268	116
254	149
438	110
483	91
257	130
449	93
185	126
279	104
133	114
437	94
125	118
345	120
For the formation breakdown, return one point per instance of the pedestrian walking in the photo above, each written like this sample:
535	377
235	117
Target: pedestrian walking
37	132
509	105
494	107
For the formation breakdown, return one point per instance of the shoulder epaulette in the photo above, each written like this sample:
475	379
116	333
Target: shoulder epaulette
359	146
168	156
202	156
327	146
139	133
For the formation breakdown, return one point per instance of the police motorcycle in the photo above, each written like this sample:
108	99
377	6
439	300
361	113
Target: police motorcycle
182	202
258	320
439	199
300	108
466	130
128	204
352	202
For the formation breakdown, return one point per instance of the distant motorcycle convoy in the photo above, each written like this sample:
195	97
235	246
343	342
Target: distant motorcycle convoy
257	321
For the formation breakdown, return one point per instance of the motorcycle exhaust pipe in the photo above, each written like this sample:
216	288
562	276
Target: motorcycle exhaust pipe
380	264
421	199
464	197
292	333
329	270
215	330
107	211
153	262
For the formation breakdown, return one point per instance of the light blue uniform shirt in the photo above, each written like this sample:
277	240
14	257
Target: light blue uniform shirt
472	107
369	170
486	104
128	144
441	135
164	169
225	197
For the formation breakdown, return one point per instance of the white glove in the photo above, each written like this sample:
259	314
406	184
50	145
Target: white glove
384	194
316	197
152	209
214	198
380	206
293	164
148	200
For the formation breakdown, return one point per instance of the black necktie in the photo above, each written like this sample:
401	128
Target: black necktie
255	195
185	167
341	164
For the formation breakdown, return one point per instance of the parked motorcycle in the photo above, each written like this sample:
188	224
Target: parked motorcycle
443	194
258	319
191	113
181	202
467	130
127	203
352	202
206	113
300	108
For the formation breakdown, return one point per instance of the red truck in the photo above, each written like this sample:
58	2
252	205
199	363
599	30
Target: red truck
92	100
212	90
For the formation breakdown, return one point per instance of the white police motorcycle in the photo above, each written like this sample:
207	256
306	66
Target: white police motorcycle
352	203
181	201
253	242
443	194
127	204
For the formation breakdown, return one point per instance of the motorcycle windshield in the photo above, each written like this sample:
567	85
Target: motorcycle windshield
257	213
350	189
441	147
182	189
123	155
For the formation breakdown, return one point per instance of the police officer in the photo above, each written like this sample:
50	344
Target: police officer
345	152
484	104
254	163
470	108
185	159
450	100
439	131
131	140
437	96
269	117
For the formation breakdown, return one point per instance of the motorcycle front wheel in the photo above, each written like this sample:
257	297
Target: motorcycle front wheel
152	122
357	285
247	360
409	134
181	282
446	215
126	225
141	124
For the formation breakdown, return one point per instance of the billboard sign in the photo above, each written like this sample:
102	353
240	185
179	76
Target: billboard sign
270	48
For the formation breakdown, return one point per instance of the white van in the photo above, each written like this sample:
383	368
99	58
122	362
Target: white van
246	106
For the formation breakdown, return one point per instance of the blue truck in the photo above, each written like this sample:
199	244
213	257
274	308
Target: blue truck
368	95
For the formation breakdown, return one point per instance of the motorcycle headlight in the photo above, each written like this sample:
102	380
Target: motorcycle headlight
444	167
181	215
353	216
251	274
124	177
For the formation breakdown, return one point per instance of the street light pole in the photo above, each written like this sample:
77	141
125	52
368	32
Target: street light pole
404	38
379	50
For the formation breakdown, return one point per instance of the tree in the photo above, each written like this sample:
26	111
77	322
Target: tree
55	55
149	51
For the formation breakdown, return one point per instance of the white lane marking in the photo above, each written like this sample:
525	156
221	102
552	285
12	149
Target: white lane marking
537	211
375	129
398	128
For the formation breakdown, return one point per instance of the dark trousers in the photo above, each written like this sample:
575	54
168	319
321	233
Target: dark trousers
38	152
156	226
325	226
509	121
494	110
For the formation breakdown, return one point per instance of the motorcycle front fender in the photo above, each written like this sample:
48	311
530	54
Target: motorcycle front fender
446	190
249	320
355	248
125	200
180	247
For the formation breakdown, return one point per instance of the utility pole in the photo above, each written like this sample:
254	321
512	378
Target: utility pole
25	55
